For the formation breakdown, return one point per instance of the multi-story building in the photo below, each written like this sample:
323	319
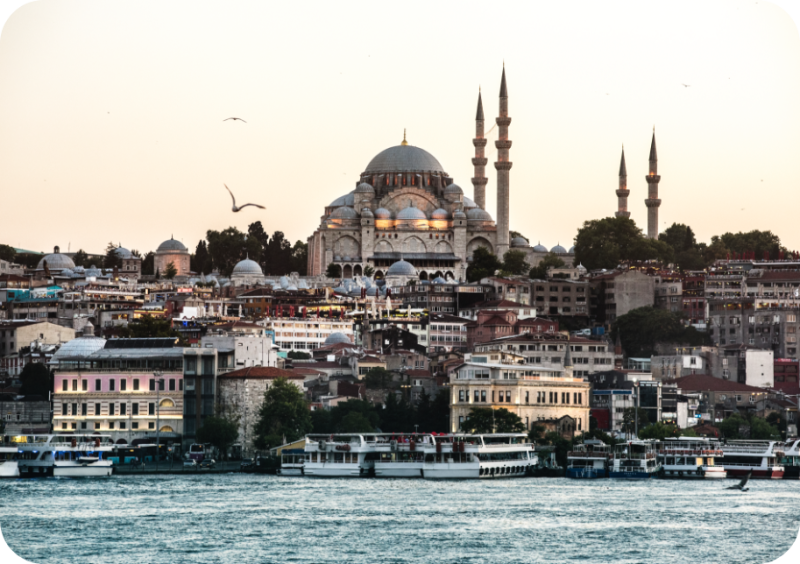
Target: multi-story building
27	415
446	333
616	293
299	334
493	324
772	284
15	335
533	393
669	292
555	296
201	367
248	343
511	289
787	375
693	302
770	323
523	311
724	281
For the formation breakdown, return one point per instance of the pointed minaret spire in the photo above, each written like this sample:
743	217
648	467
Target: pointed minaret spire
404	138
479	162
622	191
503	166
652	202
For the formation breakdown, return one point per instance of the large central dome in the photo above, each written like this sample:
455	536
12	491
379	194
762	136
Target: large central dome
403	158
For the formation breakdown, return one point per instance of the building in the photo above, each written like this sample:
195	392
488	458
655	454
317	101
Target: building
201	367
718	399
616	293
759	322
16	335
669	292
130	264
568	297
247	272
446	333
175	252
523	311
24	415
52	264
531	392
247	343
437	297
306	334
509	289
493	324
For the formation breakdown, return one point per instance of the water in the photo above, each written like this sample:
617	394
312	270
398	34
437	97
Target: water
243	518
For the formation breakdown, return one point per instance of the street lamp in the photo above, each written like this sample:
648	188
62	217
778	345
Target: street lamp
636	407
157	378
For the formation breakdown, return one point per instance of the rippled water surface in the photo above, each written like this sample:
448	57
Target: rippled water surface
238	518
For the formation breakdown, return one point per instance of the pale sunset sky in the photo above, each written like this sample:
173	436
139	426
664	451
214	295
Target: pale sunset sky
111	113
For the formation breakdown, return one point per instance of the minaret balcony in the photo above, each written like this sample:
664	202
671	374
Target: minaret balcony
623	193
503	121
652	202
503	144
479	142
480	162
653	178
480	181
503	165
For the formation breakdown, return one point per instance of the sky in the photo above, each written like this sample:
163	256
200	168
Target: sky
111	113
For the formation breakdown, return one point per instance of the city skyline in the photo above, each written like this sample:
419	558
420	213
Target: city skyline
127	142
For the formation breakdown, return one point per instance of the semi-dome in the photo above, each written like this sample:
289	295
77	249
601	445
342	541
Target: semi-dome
171	245
383	213
439	280
558	249
344	212
56	261
453	189
403	158
572	250
411	213
247	266
440	214
540	248
346	200
401	268
519	242
477	214
365	188
337	337
123	253
469	203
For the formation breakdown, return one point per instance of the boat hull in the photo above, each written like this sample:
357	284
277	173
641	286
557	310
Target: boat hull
79	471
9	469
446	471
759	473
335	471
586	473
791	473
633	475
389	470
290	472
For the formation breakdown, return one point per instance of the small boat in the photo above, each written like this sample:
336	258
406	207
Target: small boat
760	457
635	459
292	462
690	457
589	460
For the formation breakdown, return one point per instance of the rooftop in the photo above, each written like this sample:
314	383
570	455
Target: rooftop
261	373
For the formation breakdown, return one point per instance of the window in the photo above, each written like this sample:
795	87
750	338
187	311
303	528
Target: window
111	385
483	396
501	396
135	425
135	384
123	409
111	425
461	395
74	385
85	385
64	386
172	384
111	410
508	396
123	384
476	396
151	425
97	426
64	409
98	386
151	408
97	409
134	409
121	424
153	385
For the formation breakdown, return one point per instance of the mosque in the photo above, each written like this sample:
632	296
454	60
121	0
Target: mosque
406	213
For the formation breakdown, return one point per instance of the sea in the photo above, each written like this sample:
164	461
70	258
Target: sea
243	518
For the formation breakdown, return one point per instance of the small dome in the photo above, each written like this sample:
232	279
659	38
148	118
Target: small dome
123	253
171	245
519	242
572	250
367	213
346	200
247	266
453	189
458	214
383	213
56	261
540	248
477	214
411	213
440	214
344	212
439	280
337	337
291	288
365	188
401	268
558	249
94	271
284	282
68	272
468	203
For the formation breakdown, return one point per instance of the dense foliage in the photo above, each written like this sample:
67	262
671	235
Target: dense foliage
220	432
488	420
641	329
550	260
283	416
483	264
606	243
148	326
275	254
738	426
36	380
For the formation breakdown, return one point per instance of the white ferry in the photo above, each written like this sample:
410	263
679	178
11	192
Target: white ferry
401	456
635	459
64	455
690	457
9	467
499	455
589	460
342	455
292	462
791	459
760	457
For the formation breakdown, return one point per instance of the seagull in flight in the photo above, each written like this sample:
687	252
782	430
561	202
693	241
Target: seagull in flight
686	85
234	118
236	208
741	485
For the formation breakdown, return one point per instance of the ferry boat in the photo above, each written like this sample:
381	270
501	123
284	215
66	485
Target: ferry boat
292	462
760	457
64	455
791	459
401	456
9	467
634	459
589	460
489	456
342	455
690	457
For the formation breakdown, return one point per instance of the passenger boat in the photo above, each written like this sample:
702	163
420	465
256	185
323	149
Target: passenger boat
489	456
690	457
9	467
343	455
791	459
589	460
401	456
73	456
760	457
292	462
635	459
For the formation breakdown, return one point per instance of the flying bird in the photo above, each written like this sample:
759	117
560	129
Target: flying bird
234	118
686	85
741	485
236	208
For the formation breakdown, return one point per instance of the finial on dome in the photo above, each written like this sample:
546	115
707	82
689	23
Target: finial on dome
404	138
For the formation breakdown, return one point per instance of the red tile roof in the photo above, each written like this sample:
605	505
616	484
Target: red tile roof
495	320
262	373
499	303
415	373
706	383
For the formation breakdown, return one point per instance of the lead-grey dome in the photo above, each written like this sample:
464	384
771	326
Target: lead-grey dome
572	250
401	268
346	200
458	214
468	203
519	242
123	253
364	188
540	248
344	212
367	213
411	213
439	214
383	213
56	261
247	266
337	337
171	245
558	249
477	214
403	158
453	189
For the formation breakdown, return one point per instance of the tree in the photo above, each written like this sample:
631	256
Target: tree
81	259
365	408
738	426
148	262
514	263
756	241
355	422
256	233
333	271
659	431
482	265
377	378
112	259
642	328
226	248
689	255
36	380
7	253
776	420
630	419
148	327
298	355
278	258
550	260
201	260
433	414
299	258
397	416
537	432
369	271
170	272
514	234
488	420
220	432
284	414
607	242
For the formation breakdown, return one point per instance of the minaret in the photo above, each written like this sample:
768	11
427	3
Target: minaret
503	166
480	180
623	192
652	202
